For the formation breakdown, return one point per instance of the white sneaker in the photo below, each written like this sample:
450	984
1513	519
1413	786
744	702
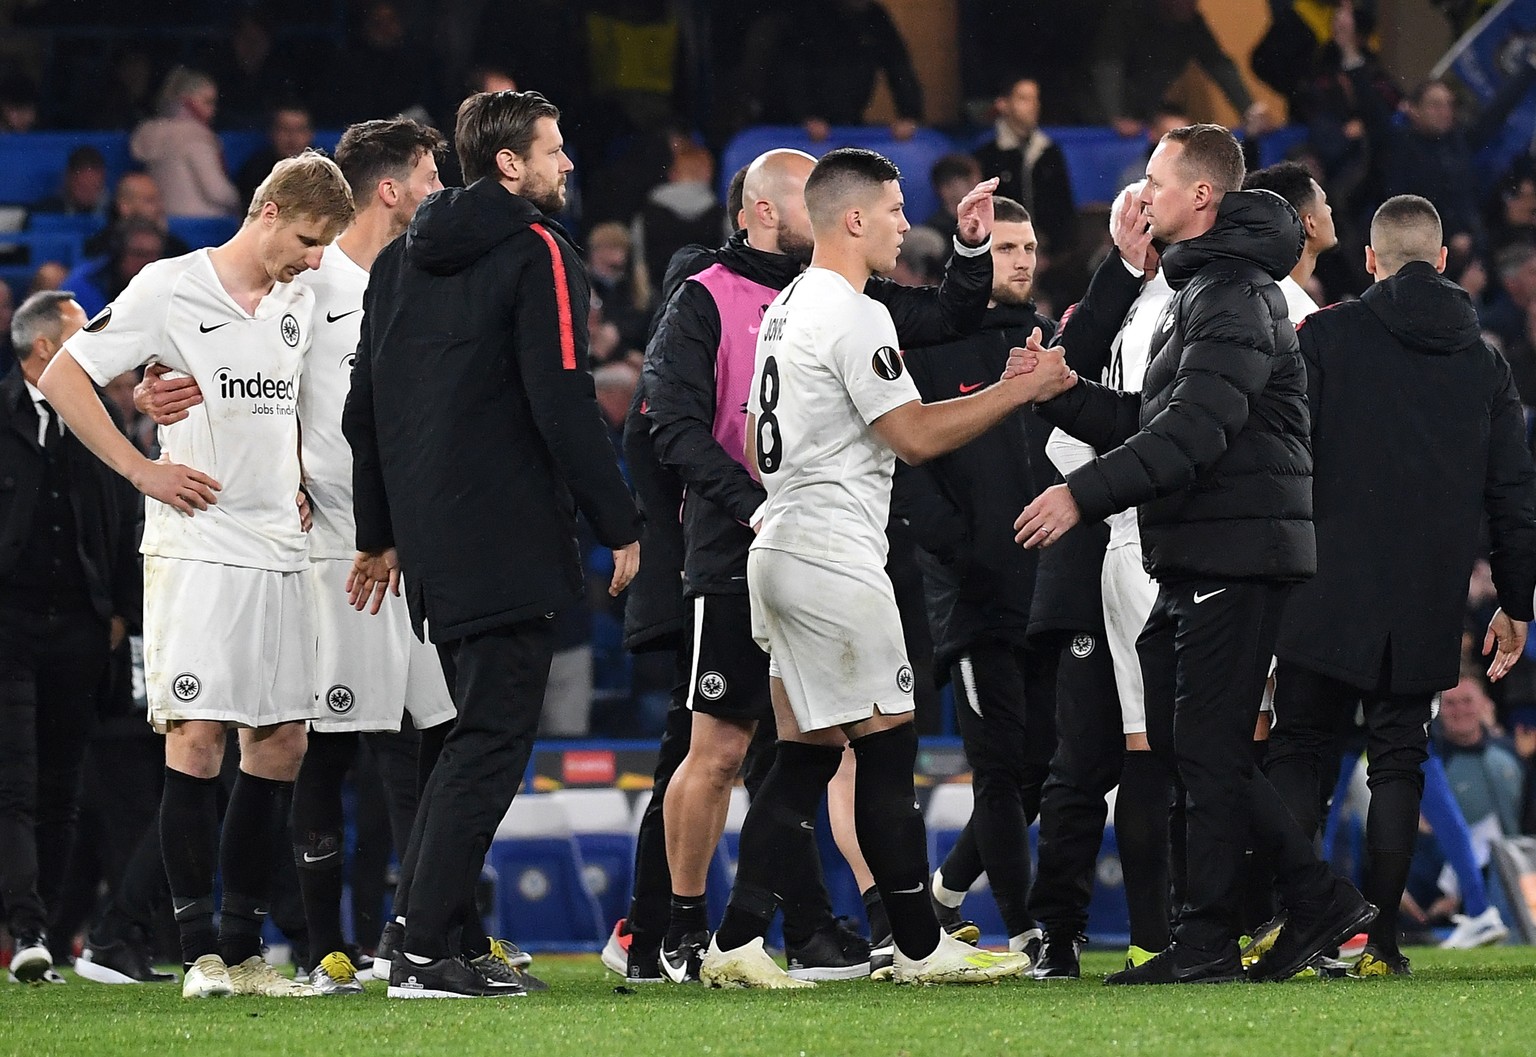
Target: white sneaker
1481	931
953	962
746	966
31	961
616	950
208	978
255	977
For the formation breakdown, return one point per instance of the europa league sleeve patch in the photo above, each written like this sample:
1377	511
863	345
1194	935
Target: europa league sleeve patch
99	322
887	363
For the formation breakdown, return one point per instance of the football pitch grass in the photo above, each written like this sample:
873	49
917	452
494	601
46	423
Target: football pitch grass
1461	1002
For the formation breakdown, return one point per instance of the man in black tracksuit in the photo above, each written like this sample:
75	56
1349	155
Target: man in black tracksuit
982	588
1417	432
1214	454
698	365
474	425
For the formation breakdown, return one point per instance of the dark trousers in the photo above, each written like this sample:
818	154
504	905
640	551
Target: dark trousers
51	665
1005	705
497	679
651	900
1089	746
1205	655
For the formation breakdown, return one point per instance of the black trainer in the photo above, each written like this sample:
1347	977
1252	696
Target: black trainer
1060	958
1184	965
119	963
444	978
834	952
1311	930
390	942
681	966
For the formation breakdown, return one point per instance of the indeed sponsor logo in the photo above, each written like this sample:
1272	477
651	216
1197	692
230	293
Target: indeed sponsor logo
256	387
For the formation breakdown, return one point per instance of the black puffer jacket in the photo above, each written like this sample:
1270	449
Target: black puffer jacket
1215	450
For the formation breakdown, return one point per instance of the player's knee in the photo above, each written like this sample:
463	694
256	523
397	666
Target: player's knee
275	752
195	749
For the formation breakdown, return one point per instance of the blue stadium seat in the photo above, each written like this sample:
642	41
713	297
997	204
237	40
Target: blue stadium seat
33	164
914	156
600	824
1095	158
80	225
542	901
203	231
239	146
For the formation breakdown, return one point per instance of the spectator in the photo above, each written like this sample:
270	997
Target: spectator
49	276
18	104
138	196
1431	155
84	191
951	178
380	74
922	257
96	283
624	294
1484	768
1142	48
289	132
1166	118
7	309
1521	354
1512	209
181	151
1030	167
1515	268
248	75
824	57
680	211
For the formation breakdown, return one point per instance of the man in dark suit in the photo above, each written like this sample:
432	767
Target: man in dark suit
1030	167
69	588
1417	432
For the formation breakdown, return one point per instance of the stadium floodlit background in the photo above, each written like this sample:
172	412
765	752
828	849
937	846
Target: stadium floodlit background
662	101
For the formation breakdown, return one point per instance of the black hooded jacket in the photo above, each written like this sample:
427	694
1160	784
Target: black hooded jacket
1417	432
1214	451
682	381
473	422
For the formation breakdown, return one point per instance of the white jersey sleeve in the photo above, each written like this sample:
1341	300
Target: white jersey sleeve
131	331
863	354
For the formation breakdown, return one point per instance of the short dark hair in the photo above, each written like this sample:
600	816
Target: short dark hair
1007	211
491	122
370	151
39	315
1010	79
85	158
1406	228
841	172
1212	152
1290	180
735	195
953	167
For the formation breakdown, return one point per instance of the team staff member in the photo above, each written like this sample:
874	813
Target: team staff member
69	590
473	424
1415	422
1220	472
980	586
228	626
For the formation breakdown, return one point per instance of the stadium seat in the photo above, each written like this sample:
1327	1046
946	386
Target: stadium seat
542	899
33	164
600	823
79	225
198	232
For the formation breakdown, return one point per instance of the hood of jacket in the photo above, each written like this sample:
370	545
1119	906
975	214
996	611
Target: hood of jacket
773	270
1255	226
1424	310
455	227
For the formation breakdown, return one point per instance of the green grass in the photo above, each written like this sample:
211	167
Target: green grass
1465	1002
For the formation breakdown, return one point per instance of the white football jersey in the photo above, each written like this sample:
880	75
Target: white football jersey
1298	303
338	285
827	366
245	433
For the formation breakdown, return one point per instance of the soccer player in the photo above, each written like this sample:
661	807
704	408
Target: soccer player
228	627
830	408
369	672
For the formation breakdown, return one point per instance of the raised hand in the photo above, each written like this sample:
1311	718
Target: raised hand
1128	228
973	216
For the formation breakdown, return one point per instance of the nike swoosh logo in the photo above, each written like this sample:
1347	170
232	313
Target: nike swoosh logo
971	388
753	330
319	858
178	911
331	319
807	825
908	891
1201	598
206	329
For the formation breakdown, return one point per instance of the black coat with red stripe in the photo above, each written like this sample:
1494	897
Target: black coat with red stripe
473	422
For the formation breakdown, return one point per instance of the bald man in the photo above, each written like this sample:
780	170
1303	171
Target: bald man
698	366
1415	422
